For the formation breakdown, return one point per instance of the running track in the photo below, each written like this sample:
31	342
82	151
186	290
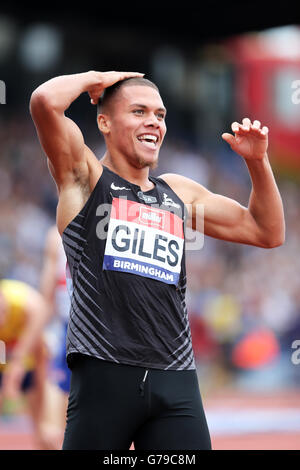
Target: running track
237	421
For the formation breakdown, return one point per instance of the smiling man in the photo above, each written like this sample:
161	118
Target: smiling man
121	119
129	343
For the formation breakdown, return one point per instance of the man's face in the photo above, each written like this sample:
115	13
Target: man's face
137	125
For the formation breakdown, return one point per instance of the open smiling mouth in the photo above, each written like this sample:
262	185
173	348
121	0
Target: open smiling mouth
148	140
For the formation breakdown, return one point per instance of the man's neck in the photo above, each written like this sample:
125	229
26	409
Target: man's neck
138	176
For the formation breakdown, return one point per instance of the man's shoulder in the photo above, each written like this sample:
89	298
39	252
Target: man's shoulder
174	178
181	185
186	188
178	181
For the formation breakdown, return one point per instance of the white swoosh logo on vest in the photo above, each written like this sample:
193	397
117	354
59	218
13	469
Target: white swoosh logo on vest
118	188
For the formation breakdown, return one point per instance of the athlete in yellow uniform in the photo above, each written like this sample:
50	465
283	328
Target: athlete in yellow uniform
23	314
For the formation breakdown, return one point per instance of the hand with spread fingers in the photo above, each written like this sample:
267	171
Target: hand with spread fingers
250	140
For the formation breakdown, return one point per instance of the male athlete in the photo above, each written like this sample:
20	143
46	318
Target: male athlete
129	343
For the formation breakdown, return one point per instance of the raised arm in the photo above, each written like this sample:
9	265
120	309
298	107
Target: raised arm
262	222
60	137
72	164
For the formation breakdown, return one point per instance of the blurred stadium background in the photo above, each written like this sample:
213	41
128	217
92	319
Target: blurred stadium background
212	68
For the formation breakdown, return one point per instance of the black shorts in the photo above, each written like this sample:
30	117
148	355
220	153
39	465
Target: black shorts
112	405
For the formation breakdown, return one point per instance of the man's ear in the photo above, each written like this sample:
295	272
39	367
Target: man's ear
103	123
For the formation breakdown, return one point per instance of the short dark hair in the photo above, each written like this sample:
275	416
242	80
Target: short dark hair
111	91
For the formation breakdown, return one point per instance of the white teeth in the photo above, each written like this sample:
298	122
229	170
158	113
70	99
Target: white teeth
151	137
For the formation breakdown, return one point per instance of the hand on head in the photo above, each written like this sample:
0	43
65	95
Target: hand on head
107	79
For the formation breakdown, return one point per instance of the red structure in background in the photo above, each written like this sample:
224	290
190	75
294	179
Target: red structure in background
267	88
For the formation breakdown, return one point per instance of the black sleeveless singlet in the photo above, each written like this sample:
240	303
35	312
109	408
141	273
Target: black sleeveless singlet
126	267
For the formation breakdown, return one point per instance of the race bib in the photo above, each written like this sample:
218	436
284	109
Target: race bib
145	241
